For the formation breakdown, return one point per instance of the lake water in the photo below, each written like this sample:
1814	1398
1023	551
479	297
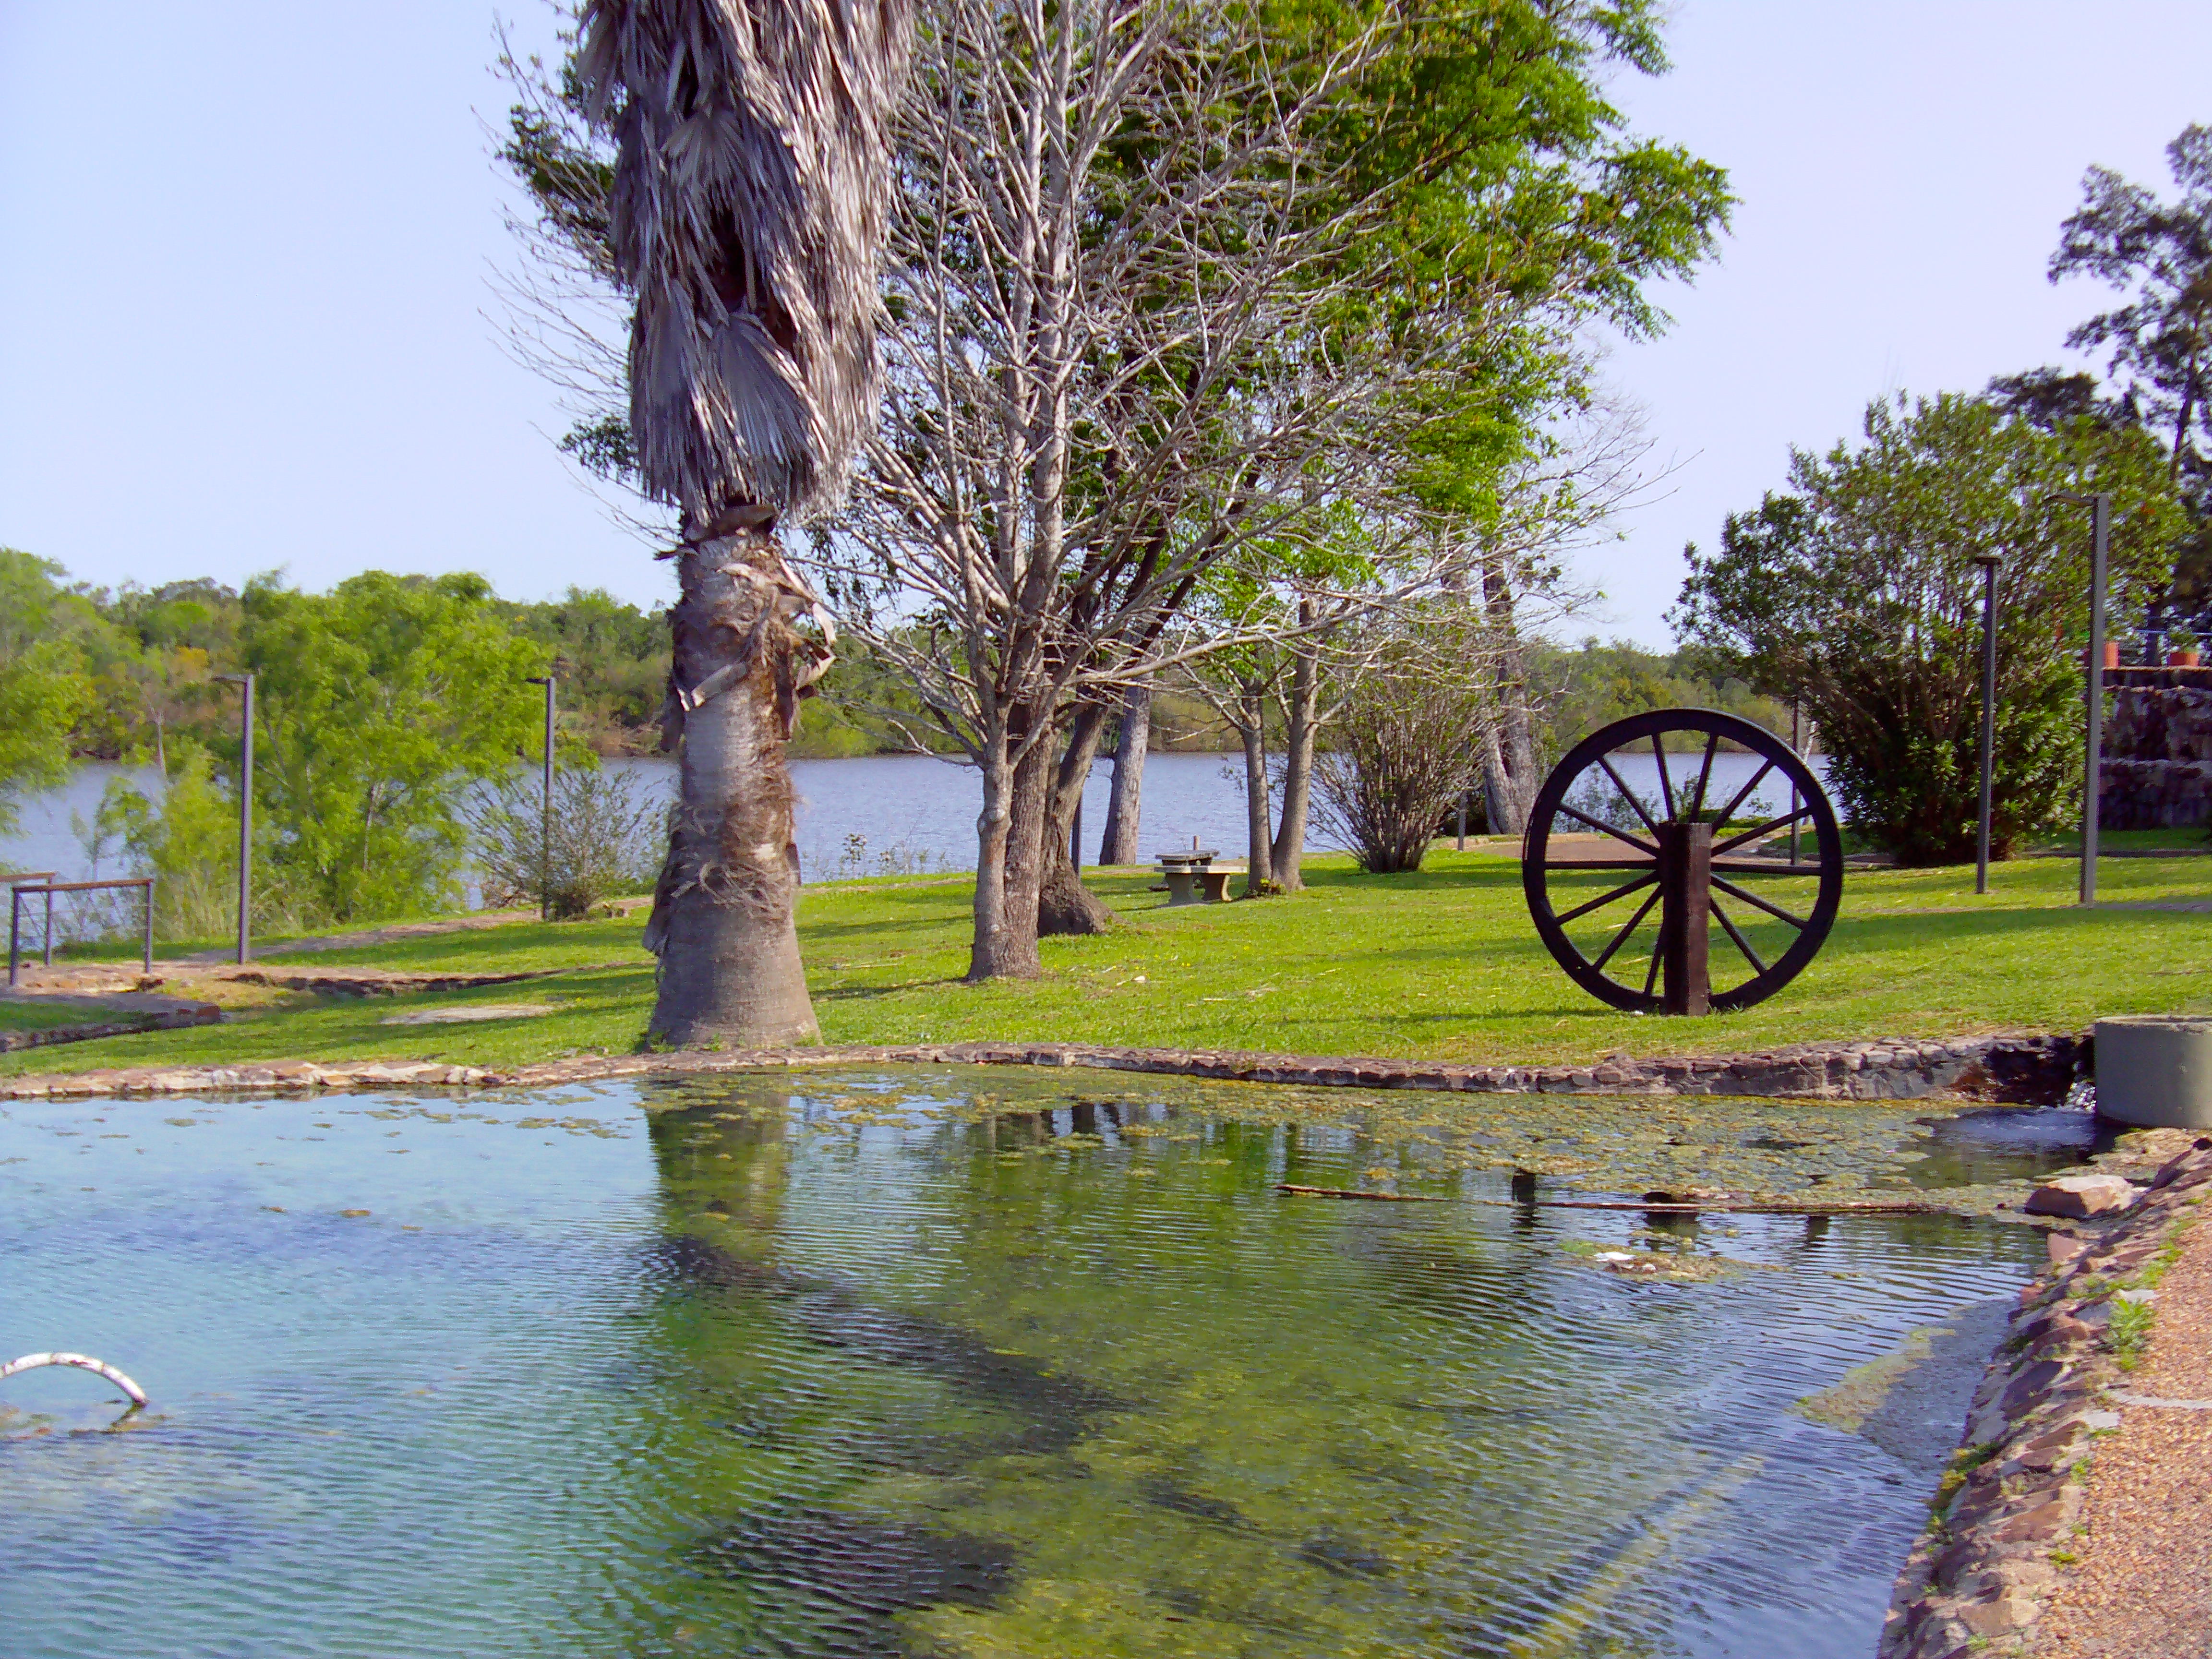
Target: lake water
912	810
949	1362
915	812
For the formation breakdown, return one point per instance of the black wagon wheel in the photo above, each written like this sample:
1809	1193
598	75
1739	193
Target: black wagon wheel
1622	873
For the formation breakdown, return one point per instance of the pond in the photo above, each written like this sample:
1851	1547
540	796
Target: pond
954	1363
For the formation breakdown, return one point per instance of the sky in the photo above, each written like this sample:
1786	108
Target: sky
248	256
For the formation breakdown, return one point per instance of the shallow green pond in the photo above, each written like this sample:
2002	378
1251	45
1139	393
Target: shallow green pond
961	1363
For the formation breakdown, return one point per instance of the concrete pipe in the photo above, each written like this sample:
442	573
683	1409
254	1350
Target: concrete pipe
2155	1070
83	1362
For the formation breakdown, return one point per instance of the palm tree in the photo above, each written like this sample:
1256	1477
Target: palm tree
747	217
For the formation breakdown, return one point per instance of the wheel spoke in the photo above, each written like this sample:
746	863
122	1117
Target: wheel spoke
1617	834
1744	793
1704	772
1733	891
1621	938
1628	794
1621	891
1741	944
1758	830
1665	784
1651	974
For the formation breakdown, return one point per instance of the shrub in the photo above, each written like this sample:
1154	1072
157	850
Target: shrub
1400	753
606	839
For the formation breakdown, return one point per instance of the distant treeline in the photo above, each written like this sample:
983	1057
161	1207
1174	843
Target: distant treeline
147	660
1577	689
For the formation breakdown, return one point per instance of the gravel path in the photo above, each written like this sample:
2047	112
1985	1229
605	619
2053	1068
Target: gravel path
2144	1587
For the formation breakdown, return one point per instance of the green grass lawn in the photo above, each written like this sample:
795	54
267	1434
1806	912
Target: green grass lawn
1439	965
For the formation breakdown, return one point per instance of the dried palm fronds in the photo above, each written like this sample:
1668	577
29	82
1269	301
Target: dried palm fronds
747	215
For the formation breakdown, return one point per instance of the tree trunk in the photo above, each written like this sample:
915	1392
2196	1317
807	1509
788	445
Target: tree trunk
1509	747
1006	945
993	826
1289	847
730	969
1253	729
1518	739
1498	795
1065	905
1119	844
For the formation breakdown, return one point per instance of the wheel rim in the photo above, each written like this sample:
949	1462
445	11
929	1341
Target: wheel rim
1616	957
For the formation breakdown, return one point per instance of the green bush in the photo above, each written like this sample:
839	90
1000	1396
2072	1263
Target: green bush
1856	590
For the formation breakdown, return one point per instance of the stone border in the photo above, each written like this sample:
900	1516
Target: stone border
1983	1571
2020	1069
387	982
168	1019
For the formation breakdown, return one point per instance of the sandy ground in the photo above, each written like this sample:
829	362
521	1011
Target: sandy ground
2144	1586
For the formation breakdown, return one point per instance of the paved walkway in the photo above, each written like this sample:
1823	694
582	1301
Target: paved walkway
2144	1586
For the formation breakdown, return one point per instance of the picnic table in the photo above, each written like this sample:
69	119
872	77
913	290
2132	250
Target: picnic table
1191	876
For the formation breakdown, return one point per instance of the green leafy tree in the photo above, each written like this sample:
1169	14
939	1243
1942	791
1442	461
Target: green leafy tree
2158	344
1857	589
383	702
43	688
187	841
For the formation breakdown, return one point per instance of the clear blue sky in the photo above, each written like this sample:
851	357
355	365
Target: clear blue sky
245	252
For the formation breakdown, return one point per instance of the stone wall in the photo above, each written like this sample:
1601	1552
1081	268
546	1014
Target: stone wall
2157	772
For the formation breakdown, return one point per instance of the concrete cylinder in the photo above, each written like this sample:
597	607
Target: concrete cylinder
2155	1070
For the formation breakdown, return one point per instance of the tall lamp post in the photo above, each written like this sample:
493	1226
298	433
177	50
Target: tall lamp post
2101	519
1991	564
545	817
244	812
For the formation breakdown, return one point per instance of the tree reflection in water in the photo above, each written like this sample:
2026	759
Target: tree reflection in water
968	1367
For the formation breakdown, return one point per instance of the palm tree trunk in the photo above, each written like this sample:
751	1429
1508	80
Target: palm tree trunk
1124	810
722	914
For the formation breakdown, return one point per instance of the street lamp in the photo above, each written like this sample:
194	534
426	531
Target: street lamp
545	821
2101	519
244	812
1991	564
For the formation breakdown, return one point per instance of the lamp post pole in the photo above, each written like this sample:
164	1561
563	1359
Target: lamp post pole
1991	564
2092	758
245	813
546	815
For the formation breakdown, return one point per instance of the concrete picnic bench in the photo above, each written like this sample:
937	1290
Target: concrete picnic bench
1192	878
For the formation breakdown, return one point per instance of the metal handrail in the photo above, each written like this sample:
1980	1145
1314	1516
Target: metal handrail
18	887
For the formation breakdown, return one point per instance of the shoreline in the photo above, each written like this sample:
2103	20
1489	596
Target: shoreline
1996	1553
2017	1069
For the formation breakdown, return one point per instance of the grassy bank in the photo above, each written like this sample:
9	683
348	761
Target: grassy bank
1441	964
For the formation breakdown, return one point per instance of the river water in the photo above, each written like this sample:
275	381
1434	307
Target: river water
948	1363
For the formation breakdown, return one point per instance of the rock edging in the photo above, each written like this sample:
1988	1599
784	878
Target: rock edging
170	1019
1994	1550
2020	1069
388	981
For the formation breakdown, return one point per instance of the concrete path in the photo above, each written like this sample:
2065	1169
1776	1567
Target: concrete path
2144	1588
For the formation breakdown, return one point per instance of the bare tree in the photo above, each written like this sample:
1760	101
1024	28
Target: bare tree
1104	381
745	220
